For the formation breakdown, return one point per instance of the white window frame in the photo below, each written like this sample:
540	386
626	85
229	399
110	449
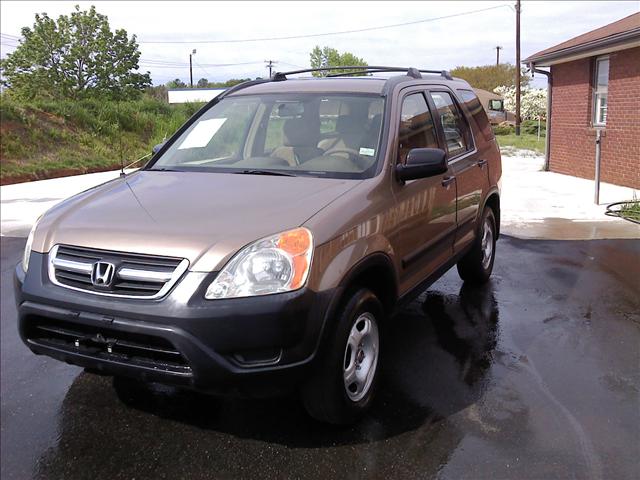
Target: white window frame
600	93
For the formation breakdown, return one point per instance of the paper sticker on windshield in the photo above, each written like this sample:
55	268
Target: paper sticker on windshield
202	133
369	152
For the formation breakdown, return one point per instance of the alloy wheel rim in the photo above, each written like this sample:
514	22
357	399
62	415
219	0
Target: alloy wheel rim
486	243
361	357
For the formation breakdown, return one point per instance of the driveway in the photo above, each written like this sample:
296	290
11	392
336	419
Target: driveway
534	375
549	205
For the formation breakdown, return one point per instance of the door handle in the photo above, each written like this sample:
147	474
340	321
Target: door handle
446	181
482	163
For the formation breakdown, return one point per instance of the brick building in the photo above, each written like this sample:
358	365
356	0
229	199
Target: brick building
595	85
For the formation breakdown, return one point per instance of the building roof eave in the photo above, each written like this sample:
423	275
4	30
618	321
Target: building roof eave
621	41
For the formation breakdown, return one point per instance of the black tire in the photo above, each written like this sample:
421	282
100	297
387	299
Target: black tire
325	395
473	267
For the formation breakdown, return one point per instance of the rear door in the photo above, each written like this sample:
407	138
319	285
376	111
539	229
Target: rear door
425	208
465	164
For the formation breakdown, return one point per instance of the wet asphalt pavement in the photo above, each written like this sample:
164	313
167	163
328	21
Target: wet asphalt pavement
536	375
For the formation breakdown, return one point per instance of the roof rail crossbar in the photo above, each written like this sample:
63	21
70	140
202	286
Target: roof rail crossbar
360	69
360	72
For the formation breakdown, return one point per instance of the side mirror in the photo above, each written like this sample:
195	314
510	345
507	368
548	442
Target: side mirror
157	148
422	163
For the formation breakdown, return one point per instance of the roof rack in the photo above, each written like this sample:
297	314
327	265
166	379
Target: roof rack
360	69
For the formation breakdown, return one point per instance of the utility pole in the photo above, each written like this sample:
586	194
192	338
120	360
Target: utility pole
517	67
498	48
270	64
191	67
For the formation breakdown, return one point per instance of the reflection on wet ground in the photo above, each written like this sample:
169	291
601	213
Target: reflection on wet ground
534	375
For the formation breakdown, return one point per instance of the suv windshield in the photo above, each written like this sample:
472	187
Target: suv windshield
333	136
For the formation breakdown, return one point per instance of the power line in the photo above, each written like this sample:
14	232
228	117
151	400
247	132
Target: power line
167	63
292	37
292	64
201	68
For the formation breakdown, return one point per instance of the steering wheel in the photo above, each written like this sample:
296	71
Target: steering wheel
354	156
347	150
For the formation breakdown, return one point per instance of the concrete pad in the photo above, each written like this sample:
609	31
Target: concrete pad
548	205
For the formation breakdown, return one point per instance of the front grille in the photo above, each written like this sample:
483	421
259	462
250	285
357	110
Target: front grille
133	275
108	344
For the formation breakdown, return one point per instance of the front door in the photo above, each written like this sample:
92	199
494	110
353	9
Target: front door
426	207
470	171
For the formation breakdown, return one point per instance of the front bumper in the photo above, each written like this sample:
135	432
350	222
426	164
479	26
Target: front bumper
249	345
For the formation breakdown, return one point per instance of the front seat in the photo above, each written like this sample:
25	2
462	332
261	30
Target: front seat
300	137
348	134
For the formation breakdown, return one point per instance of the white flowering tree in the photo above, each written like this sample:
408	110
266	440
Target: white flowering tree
533	101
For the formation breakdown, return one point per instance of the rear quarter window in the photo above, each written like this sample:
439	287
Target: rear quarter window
472	103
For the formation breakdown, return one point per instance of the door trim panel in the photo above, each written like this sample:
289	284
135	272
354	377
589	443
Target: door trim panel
436	243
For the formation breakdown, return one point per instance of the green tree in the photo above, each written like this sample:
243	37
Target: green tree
228	83
202	83
330	57
76	56
177	83
489	77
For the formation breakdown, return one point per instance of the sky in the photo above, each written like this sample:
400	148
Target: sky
466	36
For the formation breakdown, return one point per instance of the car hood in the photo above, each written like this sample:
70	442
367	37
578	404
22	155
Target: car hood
204	217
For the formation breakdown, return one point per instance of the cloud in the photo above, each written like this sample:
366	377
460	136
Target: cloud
463	40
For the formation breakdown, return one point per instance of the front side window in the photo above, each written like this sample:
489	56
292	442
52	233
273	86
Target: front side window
333	136
456	130
416	126
600	91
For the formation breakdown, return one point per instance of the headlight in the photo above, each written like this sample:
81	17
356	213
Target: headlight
275	264
27	247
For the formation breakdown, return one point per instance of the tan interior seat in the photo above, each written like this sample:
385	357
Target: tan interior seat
348	134
300	137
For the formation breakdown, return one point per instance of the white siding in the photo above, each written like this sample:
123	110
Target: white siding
193	94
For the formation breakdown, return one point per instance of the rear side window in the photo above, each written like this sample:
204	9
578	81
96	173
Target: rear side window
474	107
456	130
416	126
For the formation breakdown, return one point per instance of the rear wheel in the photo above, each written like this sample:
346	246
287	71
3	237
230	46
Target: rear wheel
476	266
342	388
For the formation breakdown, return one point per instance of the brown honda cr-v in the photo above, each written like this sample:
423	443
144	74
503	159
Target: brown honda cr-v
266	242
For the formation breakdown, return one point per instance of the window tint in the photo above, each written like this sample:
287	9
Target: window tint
416	126
474	107
600	94
456	131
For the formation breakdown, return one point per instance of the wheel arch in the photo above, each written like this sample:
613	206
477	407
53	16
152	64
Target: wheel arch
493	201
375	272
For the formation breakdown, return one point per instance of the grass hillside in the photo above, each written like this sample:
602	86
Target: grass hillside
52	138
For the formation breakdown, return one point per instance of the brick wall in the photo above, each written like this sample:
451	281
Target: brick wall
572	135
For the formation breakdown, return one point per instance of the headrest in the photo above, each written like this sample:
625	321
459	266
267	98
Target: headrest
300	132
375	122
348	124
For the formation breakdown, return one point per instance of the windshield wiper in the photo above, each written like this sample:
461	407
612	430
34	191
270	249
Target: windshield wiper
164	170
266	172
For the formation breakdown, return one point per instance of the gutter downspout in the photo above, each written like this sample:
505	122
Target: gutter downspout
547	149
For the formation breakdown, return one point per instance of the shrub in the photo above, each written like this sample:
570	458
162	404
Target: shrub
531	127
503	129
533	101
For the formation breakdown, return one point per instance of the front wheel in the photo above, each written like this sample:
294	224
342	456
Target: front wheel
476	266
342	388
